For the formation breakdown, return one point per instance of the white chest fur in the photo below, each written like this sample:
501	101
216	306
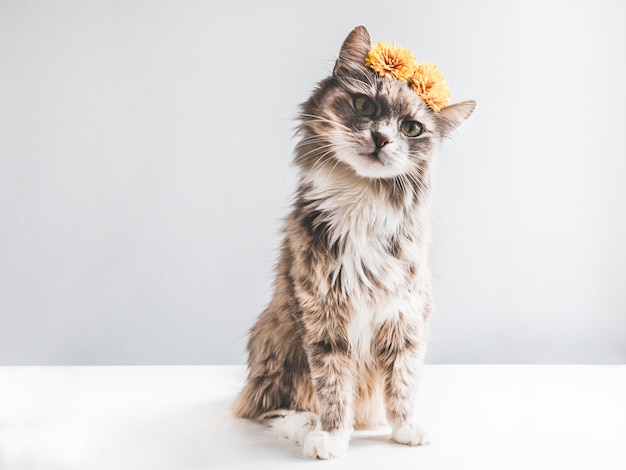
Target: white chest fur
374	281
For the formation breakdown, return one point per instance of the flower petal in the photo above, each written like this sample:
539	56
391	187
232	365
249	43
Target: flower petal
391	60
428	82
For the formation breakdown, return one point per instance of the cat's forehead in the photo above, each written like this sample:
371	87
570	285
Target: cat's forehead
400	98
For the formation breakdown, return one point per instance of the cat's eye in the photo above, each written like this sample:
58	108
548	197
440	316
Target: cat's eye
364	106
411	128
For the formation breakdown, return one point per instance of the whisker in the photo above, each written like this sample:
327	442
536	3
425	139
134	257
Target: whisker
332	169
317	118
339	132
368	86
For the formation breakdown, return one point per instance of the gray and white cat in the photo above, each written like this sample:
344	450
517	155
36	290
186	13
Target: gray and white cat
342	342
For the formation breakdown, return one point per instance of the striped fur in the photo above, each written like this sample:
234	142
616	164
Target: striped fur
344	336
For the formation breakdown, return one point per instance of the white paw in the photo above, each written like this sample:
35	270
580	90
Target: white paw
323	445
291	424
410	434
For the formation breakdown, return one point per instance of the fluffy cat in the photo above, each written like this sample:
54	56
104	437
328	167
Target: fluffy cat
342	341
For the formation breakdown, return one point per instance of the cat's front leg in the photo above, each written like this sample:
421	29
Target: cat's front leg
401	345
332	373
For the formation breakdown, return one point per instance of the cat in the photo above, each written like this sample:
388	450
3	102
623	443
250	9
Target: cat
342	342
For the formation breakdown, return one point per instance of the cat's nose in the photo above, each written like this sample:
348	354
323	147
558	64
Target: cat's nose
380	139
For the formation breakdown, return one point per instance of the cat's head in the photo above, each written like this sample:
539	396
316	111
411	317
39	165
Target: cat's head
376	126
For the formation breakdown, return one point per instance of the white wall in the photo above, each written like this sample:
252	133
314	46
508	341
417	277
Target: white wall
145	167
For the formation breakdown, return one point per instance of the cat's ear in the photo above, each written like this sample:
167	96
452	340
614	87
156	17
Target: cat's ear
451	117
353	51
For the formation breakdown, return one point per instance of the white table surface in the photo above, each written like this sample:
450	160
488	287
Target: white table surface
175	418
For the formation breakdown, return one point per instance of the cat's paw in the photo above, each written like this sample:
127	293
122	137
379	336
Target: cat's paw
324	445
291	424
410	434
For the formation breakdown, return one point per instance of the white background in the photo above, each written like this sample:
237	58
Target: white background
145	155
487	417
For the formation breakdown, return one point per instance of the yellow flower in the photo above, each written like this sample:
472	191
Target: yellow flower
400	63
391	60
428	82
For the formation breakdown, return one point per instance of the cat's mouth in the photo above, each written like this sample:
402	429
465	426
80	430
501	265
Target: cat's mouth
372	163
373	157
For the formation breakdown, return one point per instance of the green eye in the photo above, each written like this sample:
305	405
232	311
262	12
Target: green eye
411	128
364	106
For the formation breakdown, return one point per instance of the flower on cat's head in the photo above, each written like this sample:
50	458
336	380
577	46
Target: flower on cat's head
391	60
399	63
428	82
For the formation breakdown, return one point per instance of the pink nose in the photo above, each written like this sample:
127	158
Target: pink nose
380	139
